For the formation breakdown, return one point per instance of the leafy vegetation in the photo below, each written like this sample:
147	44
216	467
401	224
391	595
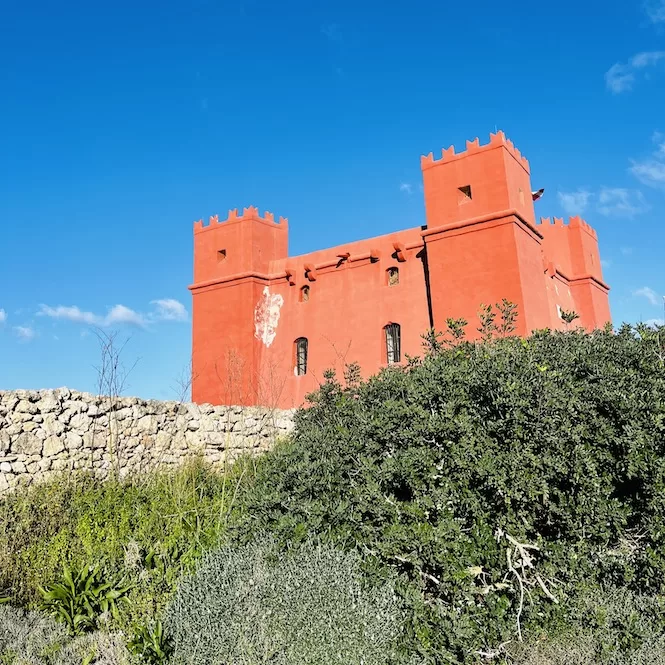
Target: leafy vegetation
511	492
124	544
501	480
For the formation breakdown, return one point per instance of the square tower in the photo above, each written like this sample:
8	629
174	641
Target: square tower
482	240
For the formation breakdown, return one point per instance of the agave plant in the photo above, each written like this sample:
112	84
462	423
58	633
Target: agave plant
81	597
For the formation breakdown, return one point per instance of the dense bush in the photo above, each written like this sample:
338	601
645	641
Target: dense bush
444	471
250	606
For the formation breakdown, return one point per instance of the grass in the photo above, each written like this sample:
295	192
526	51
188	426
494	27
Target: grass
148	530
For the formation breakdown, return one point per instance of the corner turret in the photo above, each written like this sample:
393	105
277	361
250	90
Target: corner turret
240	244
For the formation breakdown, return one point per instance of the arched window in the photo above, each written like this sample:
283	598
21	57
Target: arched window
393	276
393	343
301	356
304	294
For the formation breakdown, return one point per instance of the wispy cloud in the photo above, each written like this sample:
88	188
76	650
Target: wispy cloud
3	316
621	202
655	10
406	187
649	294
574	203
653	323
651	171
169	309
163	310
621	77
25	333
608	201
332	32
606	263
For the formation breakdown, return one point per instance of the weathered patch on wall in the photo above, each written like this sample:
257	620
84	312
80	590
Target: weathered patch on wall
266	316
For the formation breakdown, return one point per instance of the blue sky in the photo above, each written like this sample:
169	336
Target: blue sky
124	122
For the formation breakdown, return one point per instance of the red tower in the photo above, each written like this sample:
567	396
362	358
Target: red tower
266	326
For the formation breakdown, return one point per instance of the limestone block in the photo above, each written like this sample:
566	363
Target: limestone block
25	406
53	445
48	403
27	444
52	426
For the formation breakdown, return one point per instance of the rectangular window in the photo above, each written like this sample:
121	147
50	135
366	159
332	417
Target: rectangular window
393	343
301	356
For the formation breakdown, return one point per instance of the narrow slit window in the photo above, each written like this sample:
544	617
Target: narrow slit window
393	276
304	294
464	194
393	343
221	255
301	356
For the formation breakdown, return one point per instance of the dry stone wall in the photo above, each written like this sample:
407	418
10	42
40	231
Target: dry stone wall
43	432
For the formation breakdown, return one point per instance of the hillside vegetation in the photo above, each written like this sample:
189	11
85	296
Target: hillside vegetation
501	501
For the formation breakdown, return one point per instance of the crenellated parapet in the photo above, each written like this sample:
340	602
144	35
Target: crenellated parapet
548	225
250	213
472	147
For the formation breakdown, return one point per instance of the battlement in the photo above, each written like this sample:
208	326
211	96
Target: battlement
473	147
250	213
575	222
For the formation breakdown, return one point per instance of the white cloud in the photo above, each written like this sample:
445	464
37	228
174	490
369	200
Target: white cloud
609	201
72	313
166	309
621	202
3	316
406	187
169	309
651	171
574	203
655	10
606	263
620	77
118	314
653	323
24	332
649	294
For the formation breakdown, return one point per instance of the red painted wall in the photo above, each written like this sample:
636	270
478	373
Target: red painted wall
481	244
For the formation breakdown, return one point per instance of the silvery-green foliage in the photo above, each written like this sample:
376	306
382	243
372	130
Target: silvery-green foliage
249	606
33	638
614	626
28	638
98	648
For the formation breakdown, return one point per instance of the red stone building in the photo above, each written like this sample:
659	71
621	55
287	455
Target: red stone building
267	325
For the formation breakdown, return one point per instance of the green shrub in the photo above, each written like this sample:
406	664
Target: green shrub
147	530
249	606
440	469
